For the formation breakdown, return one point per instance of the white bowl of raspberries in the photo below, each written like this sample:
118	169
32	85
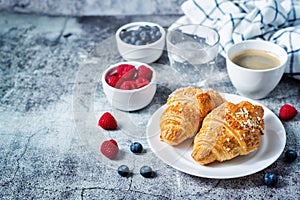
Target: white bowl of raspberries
141	41
129	86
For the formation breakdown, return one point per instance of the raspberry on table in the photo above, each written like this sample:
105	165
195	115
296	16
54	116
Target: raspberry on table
287	112
109	148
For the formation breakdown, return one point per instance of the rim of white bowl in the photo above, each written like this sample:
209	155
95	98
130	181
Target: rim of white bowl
135	64
136	24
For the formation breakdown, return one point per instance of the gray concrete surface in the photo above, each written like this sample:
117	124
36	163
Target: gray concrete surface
93	7
51	98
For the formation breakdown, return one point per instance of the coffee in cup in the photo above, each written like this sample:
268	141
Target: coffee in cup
256	59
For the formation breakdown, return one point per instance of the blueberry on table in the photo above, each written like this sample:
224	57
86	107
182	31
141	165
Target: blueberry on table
270	179
290	156
146	172
136	147
123	170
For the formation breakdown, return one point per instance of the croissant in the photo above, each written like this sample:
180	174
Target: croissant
228	131
184	113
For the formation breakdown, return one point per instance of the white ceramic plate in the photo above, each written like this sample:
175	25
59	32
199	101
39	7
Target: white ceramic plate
179	157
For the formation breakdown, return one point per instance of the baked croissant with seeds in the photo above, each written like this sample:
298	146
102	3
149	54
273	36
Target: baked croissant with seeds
184	113
228	131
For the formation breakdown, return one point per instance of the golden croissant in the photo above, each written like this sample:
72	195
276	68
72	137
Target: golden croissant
184	113
228	131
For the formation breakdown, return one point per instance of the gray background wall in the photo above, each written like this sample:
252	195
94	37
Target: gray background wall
93	7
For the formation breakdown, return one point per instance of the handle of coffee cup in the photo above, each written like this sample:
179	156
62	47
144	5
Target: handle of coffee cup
283	46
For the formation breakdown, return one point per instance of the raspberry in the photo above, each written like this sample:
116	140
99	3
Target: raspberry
144	72
113	80
141	82
126	71
287	112
107	122
109	148
128	85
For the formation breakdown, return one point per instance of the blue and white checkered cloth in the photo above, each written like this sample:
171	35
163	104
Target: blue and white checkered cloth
238	20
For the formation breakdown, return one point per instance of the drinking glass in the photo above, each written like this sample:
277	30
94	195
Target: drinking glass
192	51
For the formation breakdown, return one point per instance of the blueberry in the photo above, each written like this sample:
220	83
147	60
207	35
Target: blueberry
133	39
290	156
127	39
152	32
155	28
123	33
143	28
158	34
153	38
147	27
136	147
123	170
146	172
270	179
143	34
139	42
140	29
134	33
146	38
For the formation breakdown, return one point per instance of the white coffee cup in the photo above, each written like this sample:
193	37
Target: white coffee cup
255	83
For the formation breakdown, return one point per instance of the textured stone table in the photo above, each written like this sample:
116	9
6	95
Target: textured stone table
93	7
51	98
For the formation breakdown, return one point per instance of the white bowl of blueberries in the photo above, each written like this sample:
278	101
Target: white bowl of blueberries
141	41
